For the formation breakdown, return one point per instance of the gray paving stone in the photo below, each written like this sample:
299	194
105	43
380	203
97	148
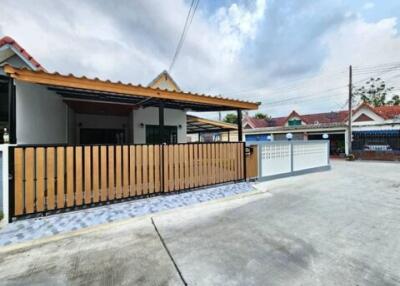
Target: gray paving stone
33	228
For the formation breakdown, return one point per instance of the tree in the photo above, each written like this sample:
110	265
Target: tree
260	115
375	92
230	118
395	100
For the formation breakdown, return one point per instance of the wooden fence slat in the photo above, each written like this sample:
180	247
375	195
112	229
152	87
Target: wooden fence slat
213	169
204	172
242	162
40	176
88	175
196	164
60	177
18	181
209	165
132	171
176	167
228	157
171	171
151	169
157	175
191	166
111	172
78	176
186	166
118	173
165	152
125	171
223	163
103	173
199	165
181	168
50	173
216	167
235	161
95	174
70	176
145	170
139	170
29	180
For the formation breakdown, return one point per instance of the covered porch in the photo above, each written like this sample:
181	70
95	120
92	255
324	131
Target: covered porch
64	109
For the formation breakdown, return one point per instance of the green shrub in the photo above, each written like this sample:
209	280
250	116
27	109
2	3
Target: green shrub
1	215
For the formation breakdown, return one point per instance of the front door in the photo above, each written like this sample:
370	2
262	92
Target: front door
102	136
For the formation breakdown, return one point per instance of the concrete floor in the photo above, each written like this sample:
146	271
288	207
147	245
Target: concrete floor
339	227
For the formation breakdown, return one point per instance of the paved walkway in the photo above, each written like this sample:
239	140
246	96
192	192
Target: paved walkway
28	229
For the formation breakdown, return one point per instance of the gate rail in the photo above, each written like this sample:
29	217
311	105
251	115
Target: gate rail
52	178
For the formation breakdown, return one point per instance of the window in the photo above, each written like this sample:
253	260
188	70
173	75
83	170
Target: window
153	134
294	122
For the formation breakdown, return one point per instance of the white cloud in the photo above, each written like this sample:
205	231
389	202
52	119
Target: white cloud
238	24
368	5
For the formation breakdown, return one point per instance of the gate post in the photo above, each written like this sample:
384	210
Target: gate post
5	177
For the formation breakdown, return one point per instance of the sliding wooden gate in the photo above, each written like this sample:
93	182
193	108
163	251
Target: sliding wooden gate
51	178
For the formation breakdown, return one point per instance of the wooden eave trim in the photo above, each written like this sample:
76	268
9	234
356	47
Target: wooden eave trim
41	77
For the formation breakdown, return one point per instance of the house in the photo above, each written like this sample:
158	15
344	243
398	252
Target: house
39	107
373	128
78	141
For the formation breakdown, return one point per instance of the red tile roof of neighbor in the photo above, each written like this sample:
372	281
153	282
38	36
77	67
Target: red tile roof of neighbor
387	112
10	41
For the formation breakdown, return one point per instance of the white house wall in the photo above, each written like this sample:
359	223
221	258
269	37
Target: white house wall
149	116
41	115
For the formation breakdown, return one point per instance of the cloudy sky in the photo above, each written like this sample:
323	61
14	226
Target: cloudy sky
288	54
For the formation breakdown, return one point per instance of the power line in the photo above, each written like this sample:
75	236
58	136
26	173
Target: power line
188	22
291	84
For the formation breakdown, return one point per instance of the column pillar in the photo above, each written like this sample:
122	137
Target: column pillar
239	122
161	122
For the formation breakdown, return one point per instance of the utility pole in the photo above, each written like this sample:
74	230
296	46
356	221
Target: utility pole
350	136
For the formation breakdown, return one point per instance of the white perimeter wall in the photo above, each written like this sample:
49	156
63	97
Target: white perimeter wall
149	115
41	115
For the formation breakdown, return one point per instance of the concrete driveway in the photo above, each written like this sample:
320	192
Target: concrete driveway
339	227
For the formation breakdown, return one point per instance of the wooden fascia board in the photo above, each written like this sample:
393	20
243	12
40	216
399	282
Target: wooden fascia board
98	85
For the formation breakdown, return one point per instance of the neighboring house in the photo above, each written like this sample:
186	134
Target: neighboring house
12	53
39	107
375	128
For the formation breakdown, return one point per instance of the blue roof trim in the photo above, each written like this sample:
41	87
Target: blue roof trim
378	132
257	137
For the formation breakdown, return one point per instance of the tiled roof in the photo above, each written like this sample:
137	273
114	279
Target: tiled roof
10	41
389	111
334	117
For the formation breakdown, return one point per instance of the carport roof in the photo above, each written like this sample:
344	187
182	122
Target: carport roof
202	125
96	89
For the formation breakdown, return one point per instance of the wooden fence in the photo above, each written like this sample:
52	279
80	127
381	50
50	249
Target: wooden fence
49	178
